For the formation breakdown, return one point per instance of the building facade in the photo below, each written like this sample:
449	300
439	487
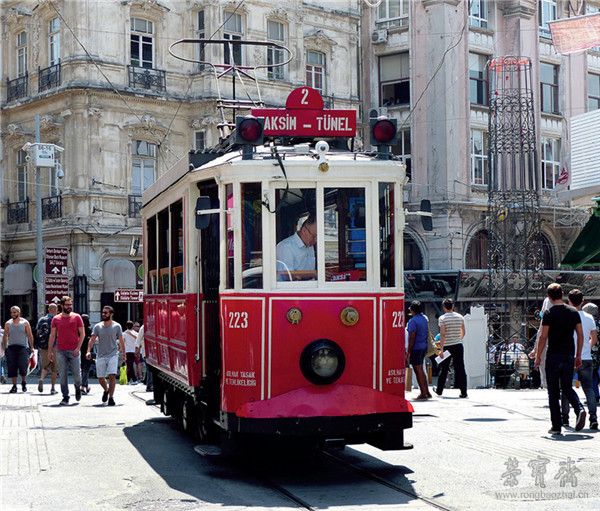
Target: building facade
100	76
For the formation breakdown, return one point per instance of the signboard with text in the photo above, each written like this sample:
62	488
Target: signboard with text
56	260
44	155
304	115
55	287
129	295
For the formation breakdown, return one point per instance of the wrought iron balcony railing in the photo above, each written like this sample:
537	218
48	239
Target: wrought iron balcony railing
51	207
17	88
135	206
49	77
147	79
18	212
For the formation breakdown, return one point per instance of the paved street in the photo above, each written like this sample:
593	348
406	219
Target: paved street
130	457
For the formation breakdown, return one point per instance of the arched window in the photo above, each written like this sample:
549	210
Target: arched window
477	251
547	252
413	258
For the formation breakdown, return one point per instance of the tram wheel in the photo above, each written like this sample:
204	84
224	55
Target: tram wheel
186	418
165	403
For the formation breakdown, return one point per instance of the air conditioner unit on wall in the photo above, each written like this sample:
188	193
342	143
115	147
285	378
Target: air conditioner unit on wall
379	36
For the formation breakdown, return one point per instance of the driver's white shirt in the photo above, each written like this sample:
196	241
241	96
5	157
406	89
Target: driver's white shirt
295	255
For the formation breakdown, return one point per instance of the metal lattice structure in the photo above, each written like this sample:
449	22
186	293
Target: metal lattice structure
513	221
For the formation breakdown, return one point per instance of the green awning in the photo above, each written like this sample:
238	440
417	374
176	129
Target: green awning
585	251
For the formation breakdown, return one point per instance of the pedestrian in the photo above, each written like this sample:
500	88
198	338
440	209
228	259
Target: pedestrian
66	337
17	342
110	341
418	336
142	349
558	327
43	329
542	368
592	308
3	368
584	373
452	332
86	363
130	336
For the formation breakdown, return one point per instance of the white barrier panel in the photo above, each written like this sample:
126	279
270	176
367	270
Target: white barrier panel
476	334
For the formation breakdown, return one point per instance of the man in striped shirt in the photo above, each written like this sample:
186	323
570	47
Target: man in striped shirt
452	331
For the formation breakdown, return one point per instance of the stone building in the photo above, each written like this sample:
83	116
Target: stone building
99	74
425	65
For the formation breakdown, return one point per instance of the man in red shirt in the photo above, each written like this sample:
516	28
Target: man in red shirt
68	332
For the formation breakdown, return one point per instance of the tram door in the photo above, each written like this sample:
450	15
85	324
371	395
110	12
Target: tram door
209	286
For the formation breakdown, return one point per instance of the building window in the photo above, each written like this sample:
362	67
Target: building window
199	140
476	257
315	70
549	88
394	80
275	34
593	92
233	31
392	10
478	84
142	43
479	157
201	34
478	14
53	42
143	166
547	12
402	148
52	177
550	162
21	54
413	258
21	176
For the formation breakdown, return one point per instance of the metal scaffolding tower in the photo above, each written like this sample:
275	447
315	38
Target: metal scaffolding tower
513	220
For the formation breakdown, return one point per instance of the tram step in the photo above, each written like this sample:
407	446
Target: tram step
208	450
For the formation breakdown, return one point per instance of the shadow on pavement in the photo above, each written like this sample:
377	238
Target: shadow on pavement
253	481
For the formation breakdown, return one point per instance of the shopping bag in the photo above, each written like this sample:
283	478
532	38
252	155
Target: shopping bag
33	361
123	375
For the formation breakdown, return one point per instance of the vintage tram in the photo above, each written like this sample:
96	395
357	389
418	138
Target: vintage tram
244	341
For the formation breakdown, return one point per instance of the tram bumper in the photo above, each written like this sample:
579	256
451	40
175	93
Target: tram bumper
349	413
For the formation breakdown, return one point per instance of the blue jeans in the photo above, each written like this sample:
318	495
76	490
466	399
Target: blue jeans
559	376
67	360
595	382
584	375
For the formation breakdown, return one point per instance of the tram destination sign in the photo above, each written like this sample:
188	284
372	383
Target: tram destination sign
304	115
129	295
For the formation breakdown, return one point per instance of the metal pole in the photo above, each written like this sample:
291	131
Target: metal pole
38	230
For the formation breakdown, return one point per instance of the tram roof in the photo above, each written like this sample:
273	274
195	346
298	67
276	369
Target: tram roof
289	154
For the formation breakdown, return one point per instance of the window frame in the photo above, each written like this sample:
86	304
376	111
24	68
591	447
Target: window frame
22	171
400	149
399	80
543	18
201	34
143	159
233	34
481	18
555	163
590	97
553	89
403	9
54	42
276	55
196	133
140	35
314	70
481	81
21	53
479	156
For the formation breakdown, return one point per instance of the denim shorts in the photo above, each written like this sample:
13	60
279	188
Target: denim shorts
417	357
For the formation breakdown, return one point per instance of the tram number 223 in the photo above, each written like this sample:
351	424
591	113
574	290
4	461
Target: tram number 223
397	319
238	320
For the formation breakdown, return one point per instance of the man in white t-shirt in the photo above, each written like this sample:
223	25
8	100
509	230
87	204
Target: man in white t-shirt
130	336
584	373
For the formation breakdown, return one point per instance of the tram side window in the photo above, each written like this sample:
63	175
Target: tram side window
296	226
386	234
176	230
345	235
152	268
164	277
252	256
229	230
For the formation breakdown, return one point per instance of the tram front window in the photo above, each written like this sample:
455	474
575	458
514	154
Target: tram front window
296	225
252	277
345	235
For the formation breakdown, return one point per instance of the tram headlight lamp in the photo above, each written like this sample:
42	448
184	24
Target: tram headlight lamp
322	362
384	131
249	130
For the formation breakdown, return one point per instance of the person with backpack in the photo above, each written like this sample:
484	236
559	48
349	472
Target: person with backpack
42	339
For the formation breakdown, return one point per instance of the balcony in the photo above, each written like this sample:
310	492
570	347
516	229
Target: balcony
51	207
16	88
49	77
147	79
135	206
18	212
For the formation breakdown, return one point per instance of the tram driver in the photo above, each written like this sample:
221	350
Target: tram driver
296	253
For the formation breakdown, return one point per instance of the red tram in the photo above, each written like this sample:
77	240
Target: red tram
244	338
